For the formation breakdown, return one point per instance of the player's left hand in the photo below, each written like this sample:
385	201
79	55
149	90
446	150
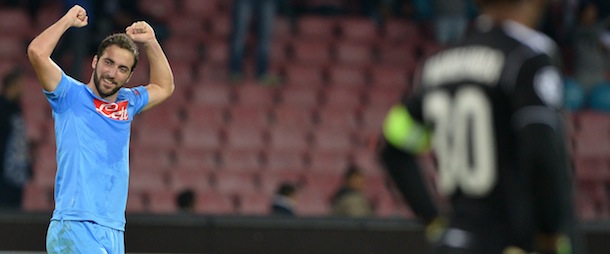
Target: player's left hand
140	32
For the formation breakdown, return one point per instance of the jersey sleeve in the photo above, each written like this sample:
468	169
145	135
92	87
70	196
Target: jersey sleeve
405	130
138	97
60	99
538	94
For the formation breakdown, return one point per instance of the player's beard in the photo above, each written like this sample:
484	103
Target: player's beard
98	85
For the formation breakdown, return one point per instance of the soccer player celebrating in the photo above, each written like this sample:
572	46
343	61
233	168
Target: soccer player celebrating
489	109
92	129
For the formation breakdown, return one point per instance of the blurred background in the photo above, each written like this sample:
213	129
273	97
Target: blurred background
279	102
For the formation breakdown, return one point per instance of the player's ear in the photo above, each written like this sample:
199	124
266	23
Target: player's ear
94	62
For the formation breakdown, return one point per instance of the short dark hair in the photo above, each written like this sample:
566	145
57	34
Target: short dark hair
286	189
122	41
186	199
10	78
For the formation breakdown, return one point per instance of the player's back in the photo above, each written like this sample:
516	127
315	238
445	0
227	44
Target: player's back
473	96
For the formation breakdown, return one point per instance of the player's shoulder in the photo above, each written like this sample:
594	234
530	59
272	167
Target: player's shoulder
535	41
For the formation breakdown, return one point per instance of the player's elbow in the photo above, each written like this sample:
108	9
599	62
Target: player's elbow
34	53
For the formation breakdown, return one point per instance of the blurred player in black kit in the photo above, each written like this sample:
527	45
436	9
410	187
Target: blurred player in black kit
489	109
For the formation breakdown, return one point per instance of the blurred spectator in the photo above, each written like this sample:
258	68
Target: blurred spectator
186	201
284	201
263	12
590	52
14	152
350	200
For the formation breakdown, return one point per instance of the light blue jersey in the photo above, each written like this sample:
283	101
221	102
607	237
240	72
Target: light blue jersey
92	152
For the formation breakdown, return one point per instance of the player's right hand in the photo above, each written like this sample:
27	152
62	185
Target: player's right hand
77	16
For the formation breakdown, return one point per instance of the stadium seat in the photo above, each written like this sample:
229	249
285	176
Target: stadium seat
218	95
135	202
400	55
353	54
288	138
391	77
205	116
196	180
316	28
302	75
254	203
248	115
240	160
313	53
252	95
332	140
207	137
37	198
199	10
196	159
367	160
280	159
397	30
188	27
186	50
328	162
15	22
161	202
148	158
161	10
216	52
212	202
372	117
234	181
362	30
336	118
11	48
296	109
593	169
342	97
347	76
301	97
239	137
312	203
159	135
383	97
142	180
220	27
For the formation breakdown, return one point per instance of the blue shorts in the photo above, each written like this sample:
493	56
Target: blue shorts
83	237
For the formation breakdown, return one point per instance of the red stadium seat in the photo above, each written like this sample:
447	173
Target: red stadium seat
243	115
298	97
196	159
328	162
343	97
135	202
391	77
212	202
189	26
198	9
147	158
254	203
15	22
593	169
239	137
217	95
336	118
161	202
347	77
353	54
252	95
316	27
293	115
358	30
383	98
234	182
193	136
216	52
313	53
302	75
332	140
37	198
288	138
400	55
205	116
196	180
240	160
396	30
312	203
147	180
161	10
284	160
181	49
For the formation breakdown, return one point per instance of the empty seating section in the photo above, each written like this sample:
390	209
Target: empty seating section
234	145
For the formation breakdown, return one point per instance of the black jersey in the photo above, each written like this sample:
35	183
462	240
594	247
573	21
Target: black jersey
471	105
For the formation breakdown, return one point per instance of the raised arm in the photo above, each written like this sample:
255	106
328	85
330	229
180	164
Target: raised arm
40	49
161	83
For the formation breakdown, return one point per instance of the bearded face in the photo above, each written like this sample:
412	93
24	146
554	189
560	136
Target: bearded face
112	70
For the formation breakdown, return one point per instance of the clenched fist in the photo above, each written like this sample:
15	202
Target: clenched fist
77	16
140	32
